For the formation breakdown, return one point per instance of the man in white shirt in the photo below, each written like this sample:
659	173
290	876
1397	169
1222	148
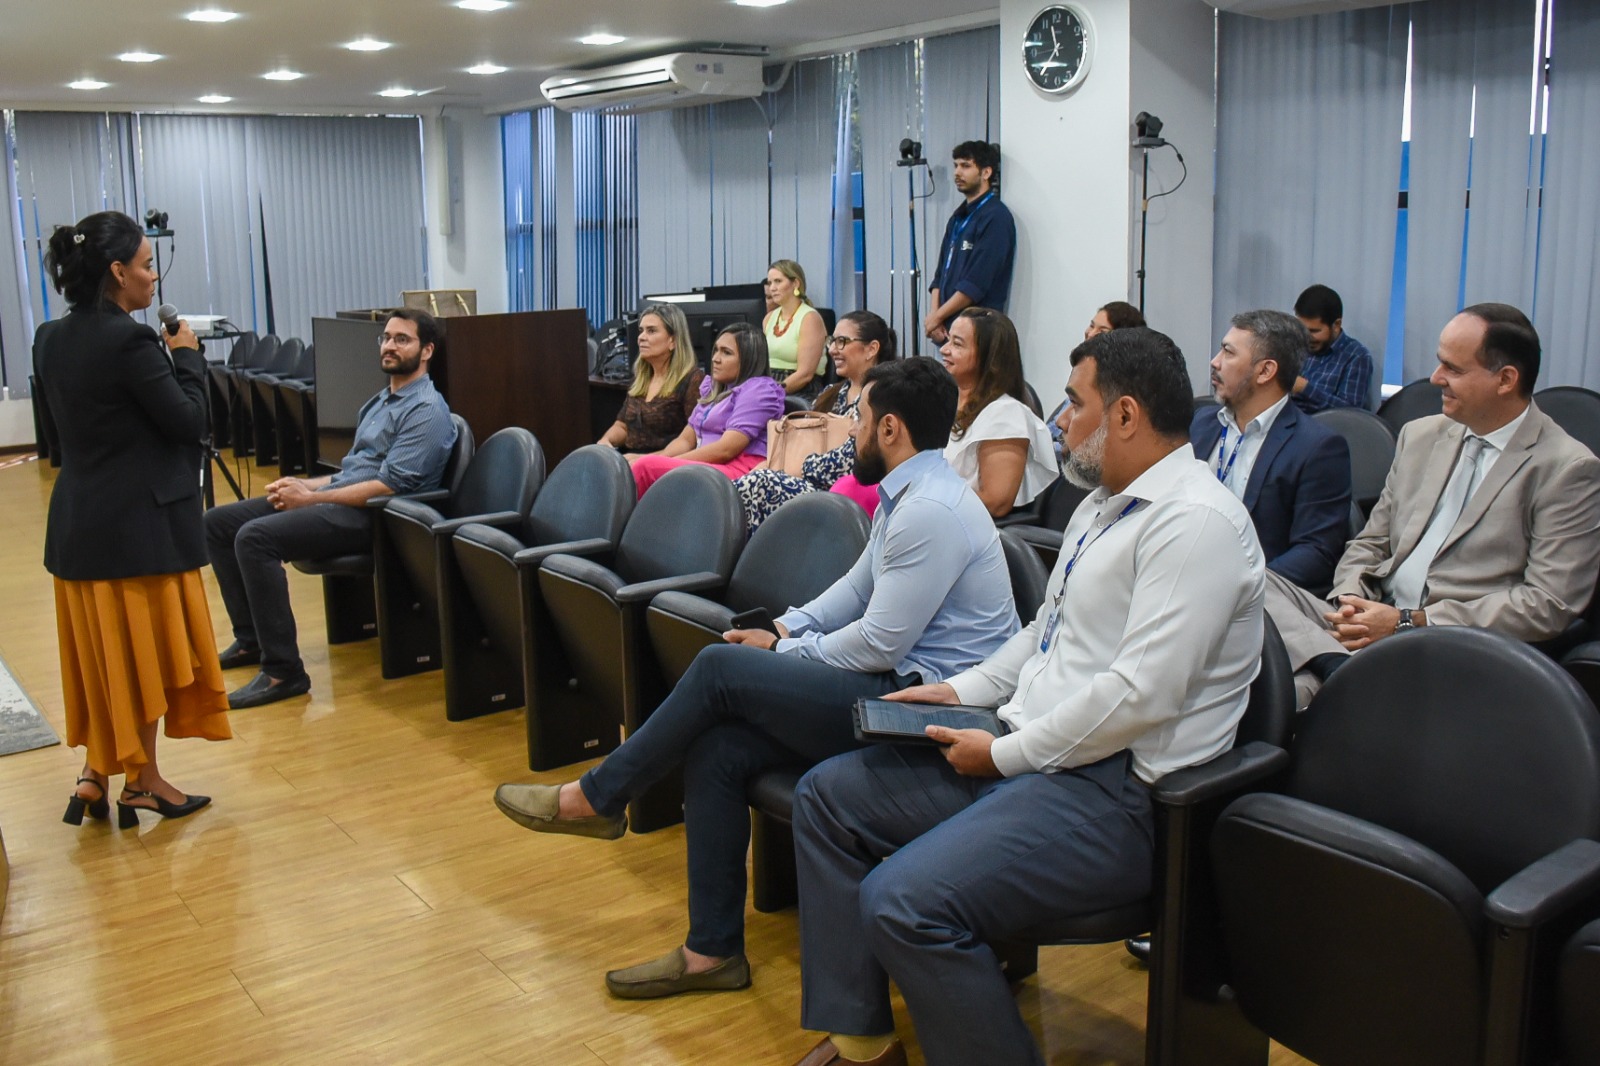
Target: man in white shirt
1490	516
912	859
1291	471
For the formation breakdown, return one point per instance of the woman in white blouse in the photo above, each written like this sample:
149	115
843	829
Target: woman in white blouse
998	444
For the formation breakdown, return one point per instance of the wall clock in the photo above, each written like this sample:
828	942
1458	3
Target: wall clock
1057	48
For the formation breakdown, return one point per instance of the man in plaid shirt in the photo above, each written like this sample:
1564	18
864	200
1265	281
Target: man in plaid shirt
1337	371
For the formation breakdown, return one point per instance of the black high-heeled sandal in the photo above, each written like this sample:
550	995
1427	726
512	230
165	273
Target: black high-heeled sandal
128	814
77	805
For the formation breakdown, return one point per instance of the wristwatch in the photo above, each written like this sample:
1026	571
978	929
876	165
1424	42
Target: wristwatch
1405	622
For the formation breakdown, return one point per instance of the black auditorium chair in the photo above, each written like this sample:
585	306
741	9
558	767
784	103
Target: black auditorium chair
1575	410
771	795
1579	991
499	648
259	358
807	545
219	388
1049	515
1403	896
793	403
411	544
683	536
294	413
1372	442
1202	402
1032	400
349	604
1419	399
259	386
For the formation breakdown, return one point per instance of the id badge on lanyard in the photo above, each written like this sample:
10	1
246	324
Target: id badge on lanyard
1054	621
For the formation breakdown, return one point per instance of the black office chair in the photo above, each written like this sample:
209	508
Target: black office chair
683	536
1419	399
807	545
1403	898
290	364
1028	573
1371	441
411	545
1579	991
291	401
499	649
219	388
1032	400
1054	509
1575	410
349	602
258	359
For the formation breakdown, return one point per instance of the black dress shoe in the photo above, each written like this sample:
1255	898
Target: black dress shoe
263	690
236	655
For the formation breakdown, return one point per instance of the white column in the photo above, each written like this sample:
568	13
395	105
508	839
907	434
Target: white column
466	205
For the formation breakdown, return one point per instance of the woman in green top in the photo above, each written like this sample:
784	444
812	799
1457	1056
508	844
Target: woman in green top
794	330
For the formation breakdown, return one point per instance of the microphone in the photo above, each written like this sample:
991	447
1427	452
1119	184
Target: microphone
169	318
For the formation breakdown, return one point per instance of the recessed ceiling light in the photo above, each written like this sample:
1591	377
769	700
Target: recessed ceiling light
139	57
211	14
213	98
367	44
482	5
86	84
397	92
486	68
760	3
283	75
601	39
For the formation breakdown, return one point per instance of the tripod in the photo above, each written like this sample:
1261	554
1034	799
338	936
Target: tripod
214	457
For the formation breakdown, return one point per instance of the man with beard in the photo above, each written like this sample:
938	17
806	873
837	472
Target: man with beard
1337	371
979	246
913	860
403	440
929	597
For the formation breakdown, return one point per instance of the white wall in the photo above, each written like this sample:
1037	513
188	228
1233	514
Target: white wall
1071	180
16	422
466	230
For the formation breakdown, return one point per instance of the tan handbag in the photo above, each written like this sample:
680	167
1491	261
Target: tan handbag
801	434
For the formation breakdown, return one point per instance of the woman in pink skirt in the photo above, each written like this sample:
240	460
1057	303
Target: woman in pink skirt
728	429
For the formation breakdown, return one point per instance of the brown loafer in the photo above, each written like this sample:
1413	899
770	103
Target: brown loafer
536	806
668	975
825	1054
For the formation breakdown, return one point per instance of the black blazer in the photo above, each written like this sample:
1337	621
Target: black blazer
1298	495
127	500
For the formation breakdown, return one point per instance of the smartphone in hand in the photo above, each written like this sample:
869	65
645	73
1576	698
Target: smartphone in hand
758	618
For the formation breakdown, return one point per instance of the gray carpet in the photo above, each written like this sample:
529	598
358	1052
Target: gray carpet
22	727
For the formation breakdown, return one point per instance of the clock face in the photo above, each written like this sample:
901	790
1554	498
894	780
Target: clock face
1057	48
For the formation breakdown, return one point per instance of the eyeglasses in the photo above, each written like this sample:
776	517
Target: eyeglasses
840	342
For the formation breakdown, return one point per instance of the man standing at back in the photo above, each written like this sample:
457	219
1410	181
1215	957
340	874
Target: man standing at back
1292	472
979	246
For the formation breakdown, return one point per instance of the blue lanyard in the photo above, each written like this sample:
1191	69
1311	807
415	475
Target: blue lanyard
1066	575
955	237
1225	472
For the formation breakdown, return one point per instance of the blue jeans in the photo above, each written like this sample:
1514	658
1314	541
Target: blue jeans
737	712
910	871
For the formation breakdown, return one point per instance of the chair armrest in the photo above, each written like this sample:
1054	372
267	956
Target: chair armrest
1568	877
583	571
645	591
695	610
1587	653
1039	536
498	519
1019	517
1234	771
431	496
535	556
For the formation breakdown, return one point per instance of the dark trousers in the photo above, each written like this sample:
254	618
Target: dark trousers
910	871
738	711
249	542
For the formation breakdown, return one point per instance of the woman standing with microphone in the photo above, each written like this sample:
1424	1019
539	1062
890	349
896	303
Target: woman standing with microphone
123	539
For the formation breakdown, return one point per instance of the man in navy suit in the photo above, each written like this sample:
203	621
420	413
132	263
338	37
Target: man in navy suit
1291	472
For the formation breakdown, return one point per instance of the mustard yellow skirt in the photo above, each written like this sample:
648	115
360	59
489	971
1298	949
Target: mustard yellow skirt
135	650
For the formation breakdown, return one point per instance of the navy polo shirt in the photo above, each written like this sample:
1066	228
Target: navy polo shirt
976	255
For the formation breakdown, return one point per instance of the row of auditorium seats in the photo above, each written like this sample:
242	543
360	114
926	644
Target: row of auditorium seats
263	402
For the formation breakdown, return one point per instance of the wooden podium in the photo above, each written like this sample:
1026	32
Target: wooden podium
529	369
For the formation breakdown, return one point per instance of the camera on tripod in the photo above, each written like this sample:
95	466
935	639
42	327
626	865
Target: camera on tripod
911	154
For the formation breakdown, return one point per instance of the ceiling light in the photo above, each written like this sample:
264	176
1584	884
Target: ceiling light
601	39
213	98
397	92
139	57
87	84
367	44
760	3
482	5
486	68
211	14
283	75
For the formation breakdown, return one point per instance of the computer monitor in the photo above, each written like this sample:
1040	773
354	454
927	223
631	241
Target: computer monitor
347	374
707	319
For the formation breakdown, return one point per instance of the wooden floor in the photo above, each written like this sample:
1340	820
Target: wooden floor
352	895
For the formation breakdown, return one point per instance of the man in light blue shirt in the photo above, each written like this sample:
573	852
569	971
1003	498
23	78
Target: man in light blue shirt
929	597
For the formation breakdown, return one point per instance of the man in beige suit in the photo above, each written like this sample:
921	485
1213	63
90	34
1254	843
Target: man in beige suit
1490	516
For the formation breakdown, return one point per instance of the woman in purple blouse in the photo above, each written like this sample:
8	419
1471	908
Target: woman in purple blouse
728	429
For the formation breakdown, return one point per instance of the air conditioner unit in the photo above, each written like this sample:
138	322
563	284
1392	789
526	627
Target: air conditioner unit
1288	9
681	79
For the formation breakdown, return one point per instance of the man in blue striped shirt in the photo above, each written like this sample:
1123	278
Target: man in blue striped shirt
403	440
1337	371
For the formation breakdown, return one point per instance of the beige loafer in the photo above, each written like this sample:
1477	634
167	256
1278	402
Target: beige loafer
536	806
668	975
